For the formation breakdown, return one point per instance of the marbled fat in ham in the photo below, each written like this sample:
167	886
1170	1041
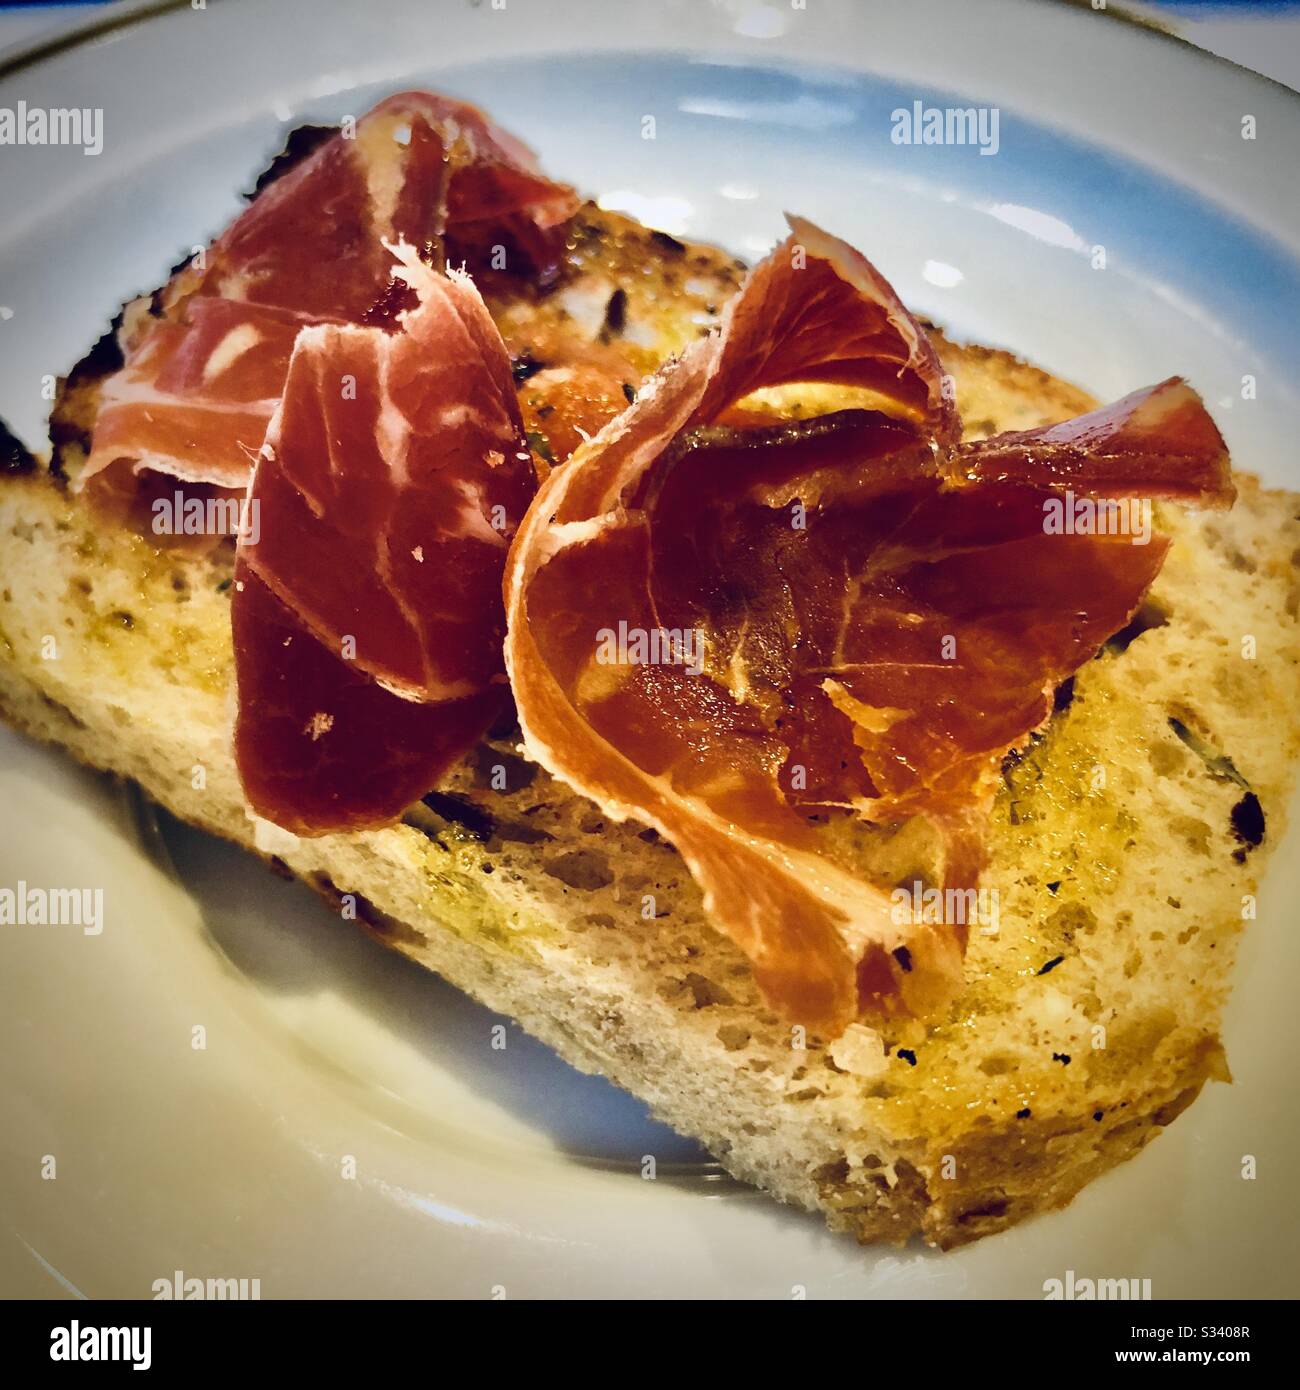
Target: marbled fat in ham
367	615
879	614
202	376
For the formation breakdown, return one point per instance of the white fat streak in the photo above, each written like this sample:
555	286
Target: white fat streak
737	669
384	158
496	427
230	349
392	429
472	521
560	535
392	432
1163	402
234	284
145	394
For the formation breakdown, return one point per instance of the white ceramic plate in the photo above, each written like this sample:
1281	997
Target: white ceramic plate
477	1169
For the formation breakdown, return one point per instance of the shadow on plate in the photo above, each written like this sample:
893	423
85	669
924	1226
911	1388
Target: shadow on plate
281	937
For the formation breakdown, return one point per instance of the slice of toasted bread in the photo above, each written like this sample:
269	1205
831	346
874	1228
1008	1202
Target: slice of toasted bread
1125	841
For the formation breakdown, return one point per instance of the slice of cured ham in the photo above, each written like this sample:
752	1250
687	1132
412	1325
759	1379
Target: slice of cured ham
367	610
736	632
203	374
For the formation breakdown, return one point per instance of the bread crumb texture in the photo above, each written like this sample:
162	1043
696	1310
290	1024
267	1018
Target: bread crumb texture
1126	845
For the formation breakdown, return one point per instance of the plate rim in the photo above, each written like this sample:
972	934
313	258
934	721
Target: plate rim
125	14
138	13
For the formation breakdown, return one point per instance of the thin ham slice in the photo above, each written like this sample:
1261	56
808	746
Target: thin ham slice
874	615
195	397
202	375
367	610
